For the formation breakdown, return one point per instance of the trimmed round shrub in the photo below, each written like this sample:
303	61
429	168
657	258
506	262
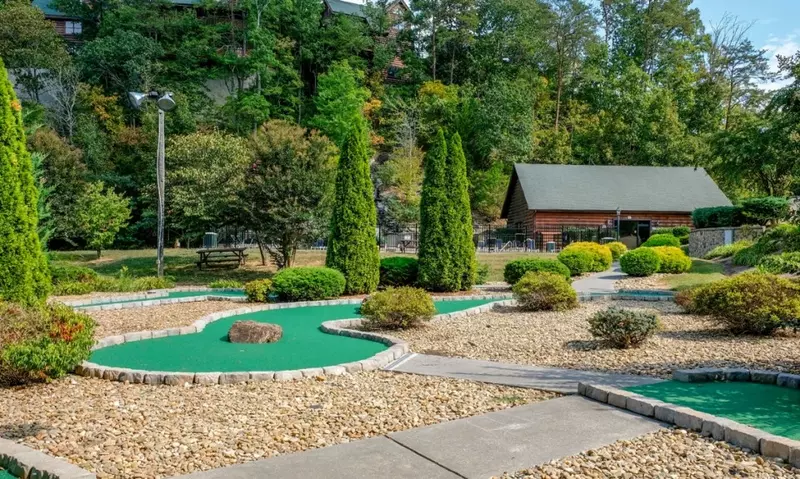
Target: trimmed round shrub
482	273
786	263
308	284
681	231
42	344
225	284
617	249
752	302
673	260
662	240
544	291
623	328
514	270
399	271
397	308
599	255
640	262
258	291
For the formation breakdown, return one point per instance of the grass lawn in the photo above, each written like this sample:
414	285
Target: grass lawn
181	264
702	272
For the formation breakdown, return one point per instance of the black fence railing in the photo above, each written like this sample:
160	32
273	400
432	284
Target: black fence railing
555	238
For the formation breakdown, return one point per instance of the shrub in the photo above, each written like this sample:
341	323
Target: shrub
308	284
541	291
258	291
752	302
685	299
225	284
661	240
617	249
623	328
749	256
600	257
72	288
782	238
717	216
640	262
672	260
681	231
482	273
399	271
42	344
514	270
726	251
75	274
770	209
576	261
786	263
397	308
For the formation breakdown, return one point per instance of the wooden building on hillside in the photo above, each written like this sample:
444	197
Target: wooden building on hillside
554	205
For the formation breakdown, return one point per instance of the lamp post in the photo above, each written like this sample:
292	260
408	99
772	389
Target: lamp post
619	211
165	103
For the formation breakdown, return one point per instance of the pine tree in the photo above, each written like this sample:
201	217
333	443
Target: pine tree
24	274
436	272
459	223
352	248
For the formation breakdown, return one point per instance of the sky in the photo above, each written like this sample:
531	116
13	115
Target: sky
775	25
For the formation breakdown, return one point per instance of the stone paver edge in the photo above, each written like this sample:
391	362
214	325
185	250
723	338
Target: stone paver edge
151	298
397	347
23	462
719	428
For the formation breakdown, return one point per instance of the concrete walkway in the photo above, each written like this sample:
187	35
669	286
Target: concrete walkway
560	380
600	282
476	447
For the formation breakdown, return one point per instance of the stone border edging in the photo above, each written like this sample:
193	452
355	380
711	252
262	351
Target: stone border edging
397	347
24	462
719	428
152	298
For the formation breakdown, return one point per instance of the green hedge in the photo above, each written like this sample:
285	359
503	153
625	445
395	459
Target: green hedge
514	270
308	284
770	209
399	271
258	291
662	240
672	260
717	216
640	262
544	291
586	257
397	308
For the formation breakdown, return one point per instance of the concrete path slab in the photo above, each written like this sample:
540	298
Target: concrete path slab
518	438
537	377
600	282
367	458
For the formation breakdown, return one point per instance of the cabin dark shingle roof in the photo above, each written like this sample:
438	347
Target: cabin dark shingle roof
606	188
346	8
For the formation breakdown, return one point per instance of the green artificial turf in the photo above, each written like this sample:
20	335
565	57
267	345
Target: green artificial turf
6	475
767	407
174	294
303	344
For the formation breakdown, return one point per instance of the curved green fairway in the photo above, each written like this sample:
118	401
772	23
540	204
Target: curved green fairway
764	406
303	344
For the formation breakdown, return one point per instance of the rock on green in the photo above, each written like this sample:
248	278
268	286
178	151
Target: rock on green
352	248
459	223
24	274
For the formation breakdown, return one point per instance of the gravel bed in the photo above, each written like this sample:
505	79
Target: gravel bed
655	281
672	453
120	321
562	339
134	430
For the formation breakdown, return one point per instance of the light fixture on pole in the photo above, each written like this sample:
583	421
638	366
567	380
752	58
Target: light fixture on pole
619	211
165	103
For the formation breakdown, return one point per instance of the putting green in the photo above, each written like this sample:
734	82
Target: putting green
767	407
6	475
174	295
303	344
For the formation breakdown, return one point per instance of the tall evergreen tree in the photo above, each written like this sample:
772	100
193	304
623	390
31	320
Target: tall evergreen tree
352	248
436	272
459	223
24	275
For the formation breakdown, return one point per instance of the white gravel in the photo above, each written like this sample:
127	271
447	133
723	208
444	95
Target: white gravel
562	339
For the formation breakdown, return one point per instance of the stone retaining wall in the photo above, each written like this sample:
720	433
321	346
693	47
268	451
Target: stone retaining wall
719	428
703	240
397	347
26	463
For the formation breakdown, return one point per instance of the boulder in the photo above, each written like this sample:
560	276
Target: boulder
254	332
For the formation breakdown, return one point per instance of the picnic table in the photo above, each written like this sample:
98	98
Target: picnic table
221	256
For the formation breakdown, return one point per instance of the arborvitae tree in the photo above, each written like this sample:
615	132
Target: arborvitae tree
352	248
459	224
24	275
436	272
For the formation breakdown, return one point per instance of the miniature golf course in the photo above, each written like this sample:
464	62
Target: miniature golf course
303	344
6	475
764	406
175	295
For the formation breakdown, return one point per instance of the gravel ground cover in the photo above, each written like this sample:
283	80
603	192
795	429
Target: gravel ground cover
137	431
655	281
121	321
562	339
672	453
